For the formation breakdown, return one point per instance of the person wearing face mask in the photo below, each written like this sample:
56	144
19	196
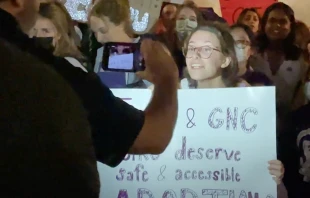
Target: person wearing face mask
184	26
54	31
244	42
188	17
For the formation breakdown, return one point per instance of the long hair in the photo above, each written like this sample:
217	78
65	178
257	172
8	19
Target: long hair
66	45
245	11
291	51
222	32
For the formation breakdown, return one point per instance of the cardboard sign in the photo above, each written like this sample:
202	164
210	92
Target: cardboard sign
220	148
232	8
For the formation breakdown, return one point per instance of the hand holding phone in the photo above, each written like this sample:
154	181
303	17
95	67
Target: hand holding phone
123	57
159	64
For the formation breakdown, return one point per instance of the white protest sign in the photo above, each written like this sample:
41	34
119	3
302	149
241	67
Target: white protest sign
122	61
220	148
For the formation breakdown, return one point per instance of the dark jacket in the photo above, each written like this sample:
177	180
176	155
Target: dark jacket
114	124
45	141
291	153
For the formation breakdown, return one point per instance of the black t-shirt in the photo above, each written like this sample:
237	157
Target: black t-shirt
45	146
115	125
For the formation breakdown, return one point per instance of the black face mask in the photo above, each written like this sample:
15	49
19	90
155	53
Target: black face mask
45	42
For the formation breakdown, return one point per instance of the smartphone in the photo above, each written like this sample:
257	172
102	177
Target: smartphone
123	57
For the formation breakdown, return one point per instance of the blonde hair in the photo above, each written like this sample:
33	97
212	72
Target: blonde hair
57	13
118	11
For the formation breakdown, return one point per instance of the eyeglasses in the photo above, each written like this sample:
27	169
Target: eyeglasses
203	51
242	44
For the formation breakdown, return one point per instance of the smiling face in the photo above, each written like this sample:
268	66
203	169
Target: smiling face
204	59
278	25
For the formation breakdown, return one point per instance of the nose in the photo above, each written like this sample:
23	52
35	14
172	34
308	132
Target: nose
39	34
196	54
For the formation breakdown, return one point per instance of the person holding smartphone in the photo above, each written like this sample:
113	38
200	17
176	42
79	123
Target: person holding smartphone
117	128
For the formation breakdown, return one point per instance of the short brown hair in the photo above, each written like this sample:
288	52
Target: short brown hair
118	11
222	31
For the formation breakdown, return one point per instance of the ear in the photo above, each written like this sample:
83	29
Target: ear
226	62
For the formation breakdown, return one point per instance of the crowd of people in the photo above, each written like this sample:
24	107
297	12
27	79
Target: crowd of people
58	116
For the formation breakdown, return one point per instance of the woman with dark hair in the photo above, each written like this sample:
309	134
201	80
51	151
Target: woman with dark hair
251	18
276	44
244	46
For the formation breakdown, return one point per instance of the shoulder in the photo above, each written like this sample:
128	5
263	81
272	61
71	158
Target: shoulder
184	84
75	63
243	83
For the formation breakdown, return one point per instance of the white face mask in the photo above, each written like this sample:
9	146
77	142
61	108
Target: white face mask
242	54
307	90
185	25
184	28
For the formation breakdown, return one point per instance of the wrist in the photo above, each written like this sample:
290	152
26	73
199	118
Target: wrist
167	82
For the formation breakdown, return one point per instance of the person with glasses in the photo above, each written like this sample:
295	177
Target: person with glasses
210	58
244	47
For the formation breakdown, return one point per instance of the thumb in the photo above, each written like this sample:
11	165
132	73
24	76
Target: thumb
145	76
141	74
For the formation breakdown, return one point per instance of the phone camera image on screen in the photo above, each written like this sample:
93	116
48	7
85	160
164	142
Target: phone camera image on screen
121	57
124	57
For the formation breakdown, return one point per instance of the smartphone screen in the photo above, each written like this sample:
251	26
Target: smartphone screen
124	57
